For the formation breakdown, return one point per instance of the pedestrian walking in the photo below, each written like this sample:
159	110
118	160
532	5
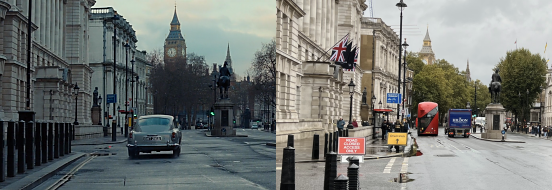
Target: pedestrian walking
340	125
384	129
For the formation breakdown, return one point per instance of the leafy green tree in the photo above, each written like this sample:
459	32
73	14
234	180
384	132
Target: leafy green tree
483	96
523	75
431	85
414	62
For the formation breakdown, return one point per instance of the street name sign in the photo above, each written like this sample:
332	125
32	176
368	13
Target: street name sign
394	98
351	145
397	138
111	98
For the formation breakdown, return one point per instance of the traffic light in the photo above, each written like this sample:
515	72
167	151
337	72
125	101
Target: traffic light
234	121
212	113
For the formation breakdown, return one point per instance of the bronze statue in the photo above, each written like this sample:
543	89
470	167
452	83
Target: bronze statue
95	97
224	80
494	87
364	96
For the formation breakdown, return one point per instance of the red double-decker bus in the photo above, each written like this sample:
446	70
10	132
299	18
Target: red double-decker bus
428	118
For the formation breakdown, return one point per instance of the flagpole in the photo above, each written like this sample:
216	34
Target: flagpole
331	47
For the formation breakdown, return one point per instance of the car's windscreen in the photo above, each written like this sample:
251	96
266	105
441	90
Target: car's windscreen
153	124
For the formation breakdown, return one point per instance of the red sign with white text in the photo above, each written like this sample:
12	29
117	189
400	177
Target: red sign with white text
351	145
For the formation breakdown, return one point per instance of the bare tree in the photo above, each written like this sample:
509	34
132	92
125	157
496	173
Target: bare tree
263	70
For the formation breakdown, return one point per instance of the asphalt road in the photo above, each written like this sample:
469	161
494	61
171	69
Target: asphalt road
205	163
468	163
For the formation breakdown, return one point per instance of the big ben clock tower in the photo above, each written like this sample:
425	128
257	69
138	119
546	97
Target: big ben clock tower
175	45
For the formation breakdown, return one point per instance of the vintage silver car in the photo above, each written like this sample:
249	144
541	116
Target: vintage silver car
154	133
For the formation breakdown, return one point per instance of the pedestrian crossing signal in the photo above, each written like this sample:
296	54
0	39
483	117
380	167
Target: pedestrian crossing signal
212	112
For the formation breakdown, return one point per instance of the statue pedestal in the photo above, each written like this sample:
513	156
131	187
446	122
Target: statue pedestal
96	113
494	118
364	112
224	114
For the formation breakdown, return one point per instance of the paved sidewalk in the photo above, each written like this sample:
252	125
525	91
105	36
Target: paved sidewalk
33	177
310	172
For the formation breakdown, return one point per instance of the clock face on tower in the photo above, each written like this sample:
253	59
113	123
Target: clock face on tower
183	52
171	52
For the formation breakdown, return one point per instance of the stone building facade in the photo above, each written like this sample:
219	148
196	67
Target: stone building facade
59	59
380	64
131	63
311	92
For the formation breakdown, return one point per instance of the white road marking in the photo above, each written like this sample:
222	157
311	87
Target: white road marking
389	165
404	167
278	168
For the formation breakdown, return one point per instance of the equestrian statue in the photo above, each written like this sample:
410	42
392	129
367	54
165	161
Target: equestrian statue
494	87
223	81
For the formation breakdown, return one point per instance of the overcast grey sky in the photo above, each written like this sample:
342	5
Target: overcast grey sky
481	31
207	25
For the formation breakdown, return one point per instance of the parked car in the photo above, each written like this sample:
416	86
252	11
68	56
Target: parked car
154	133
199	126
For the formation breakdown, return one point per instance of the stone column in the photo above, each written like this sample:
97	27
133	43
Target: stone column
332	22
48	25
318	27
300	20
306	18
312	25
42	22
323	15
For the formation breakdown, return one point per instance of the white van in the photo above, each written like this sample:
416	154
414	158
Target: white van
480	121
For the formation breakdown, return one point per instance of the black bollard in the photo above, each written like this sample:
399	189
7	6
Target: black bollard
61	147
325	144
347	133
29	144
67	137
38	144
315	147
287	181
56	140
11	148
341	182
2	168
44	134
330	144
354	160
72	129
290	141
330	170
336	140
51	139
352	173
21	147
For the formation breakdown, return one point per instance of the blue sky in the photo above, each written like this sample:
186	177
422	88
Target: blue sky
207	25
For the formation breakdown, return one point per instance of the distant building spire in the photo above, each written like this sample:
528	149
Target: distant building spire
426	53
468	75
228	58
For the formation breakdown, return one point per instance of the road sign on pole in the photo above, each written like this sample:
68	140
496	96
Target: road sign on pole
111	98
394	98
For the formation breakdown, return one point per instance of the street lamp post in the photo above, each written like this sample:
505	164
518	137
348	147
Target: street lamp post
404	77
100	115
374	116
115	17
527	103
401	5
351	92
520	118
118	119
76	88
107	123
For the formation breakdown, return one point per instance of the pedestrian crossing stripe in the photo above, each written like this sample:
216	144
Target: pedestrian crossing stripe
389	165
278	168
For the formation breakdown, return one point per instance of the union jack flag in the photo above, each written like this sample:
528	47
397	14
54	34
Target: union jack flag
339	49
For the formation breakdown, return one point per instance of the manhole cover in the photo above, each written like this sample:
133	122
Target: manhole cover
445	155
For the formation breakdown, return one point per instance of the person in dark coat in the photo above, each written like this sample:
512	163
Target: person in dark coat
384	129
